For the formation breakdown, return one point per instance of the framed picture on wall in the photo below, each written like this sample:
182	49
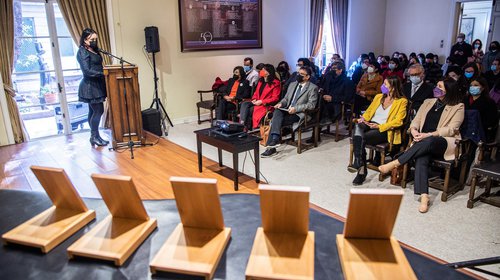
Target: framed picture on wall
220	25
467	27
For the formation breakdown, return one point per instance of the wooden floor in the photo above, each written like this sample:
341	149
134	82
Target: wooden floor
150	169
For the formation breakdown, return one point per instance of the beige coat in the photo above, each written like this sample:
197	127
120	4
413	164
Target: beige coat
448	126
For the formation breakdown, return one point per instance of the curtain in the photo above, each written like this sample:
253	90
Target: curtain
6	65
81	14
317	16
338	22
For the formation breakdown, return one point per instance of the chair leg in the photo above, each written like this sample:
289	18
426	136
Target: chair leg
299	141
337	131
444	195
351	154
405	176
470	202
317	130
199	118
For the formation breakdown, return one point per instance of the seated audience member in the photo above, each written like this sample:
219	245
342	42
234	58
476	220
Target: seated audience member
461	51
395	55
267	93
433	72
393	69
479	100
283	70
417	90
383	63
403	61
495	94
446	64
335	57
470	72
434	130
315	68
251	74
477	51
413	55
371	56
436	60
412	61
457	74
388	110
338	88
492	54
301	62
421	59
367	88
360	69
302	95
237	89
493	73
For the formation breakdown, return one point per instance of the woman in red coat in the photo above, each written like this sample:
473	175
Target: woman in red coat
266	94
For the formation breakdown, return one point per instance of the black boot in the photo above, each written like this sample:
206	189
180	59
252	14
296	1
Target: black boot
357	143
105	142
360	178
94	141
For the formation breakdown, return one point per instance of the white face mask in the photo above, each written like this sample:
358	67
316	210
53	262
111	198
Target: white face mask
364	66
460	40
297	68
370	70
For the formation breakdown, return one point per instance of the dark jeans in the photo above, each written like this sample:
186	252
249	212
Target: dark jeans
280	119
423	152
94	118
223	108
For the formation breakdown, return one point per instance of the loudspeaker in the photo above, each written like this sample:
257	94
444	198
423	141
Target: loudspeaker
151	121
152	40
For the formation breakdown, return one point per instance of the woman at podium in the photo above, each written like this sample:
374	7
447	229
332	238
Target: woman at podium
92	88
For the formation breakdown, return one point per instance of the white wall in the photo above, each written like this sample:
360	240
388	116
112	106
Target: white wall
285	25
481	12
366	28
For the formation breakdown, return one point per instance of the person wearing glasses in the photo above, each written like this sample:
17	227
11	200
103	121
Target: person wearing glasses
301	62
417	90
92	89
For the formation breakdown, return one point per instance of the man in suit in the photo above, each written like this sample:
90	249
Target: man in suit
417	90
301	95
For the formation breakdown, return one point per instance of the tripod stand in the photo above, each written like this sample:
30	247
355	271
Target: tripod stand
130	144
157	100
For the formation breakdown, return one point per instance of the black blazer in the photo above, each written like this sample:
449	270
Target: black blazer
243	92
92	88
489	115
424	91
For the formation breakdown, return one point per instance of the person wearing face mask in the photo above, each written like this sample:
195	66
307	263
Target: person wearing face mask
492	74
367	88
434	130
92	89
421	59
433	72
393	69
360	69
417	90
335	58
477	51
461	51
470	72
238	89
283	70
479	100
252	75
302	95
456	73
492	54
266	94
387	111
301	62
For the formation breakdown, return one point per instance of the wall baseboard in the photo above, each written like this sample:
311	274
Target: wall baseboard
190	119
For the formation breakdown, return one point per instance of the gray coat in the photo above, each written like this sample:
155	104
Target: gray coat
307	100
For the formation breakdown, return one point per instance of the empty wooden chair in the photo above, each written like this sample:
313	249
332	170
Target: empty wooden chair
208	101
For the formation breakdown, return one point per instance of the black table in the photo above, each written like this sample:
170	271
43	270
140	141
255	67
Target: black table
233	144
241	213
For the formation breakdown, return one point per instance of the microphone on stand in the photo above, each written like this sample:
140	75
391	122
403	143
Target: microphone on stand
103	51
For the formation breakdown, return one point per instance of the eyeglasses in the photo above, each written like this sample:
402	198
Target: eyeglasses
415	75
299	65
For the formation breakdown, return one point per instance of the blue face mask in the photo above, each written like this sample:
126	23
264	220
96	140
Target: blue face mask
493	68
475	90
247	68
468	75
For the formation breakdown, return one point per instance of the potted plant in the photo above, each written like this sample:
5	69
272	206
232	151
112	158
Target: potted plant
48	95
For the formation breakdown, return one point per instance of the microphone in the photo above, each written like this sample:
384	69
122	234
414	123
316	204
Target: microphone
103	51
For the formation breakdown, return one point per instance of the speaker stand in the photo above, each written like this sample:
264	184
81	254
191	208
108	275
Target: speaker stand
157	101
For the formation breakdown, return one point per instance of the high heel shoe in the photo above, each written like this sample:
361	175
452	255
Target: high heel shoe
388	167
94	141
424	203
104	142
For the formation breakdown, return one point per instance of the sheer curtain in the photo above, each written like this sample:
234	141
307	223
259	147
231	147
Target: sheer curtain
338	21
6	65
317	17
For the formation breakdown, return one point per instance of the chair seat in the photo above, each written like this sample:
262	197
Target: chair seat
205	104
488	169
383	147
443	163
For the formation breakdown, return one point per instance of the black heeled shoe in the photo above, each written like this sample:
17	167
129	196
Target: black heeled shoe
98	136
94	141
360	177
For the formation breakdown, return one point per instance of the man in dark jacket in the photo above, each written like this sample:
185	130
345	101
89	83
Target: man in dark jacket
338	88
461	50
433	71
417	90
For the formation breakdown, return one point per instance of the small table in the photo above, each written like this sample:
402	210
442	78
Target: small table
233	145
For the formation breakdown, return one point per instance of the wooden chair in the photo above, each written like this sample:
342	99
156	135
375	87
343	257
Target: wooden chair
209	103
311	124
283	247
346	117
489	168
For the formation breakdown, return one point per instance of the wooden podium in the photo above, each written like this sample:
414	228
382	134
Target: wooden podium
119	100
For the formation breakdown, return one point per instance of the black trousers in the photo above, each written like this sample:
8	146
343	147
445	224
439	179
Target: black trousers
95	113
369	136
246	113
280	119
423	152
360	104
223	108
330	110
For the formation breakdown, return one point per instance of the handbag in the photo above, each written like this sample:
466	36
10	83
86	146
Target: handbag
397	175
265	128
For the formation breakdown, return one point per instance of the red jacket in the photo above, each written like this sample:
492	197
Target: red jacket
270	96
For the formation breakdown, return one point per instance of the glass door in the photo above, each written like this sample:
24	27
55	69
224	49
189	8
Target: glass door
46	74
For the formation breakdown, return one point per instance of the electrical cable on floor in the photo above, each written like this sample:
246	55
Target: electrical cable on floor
265	179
